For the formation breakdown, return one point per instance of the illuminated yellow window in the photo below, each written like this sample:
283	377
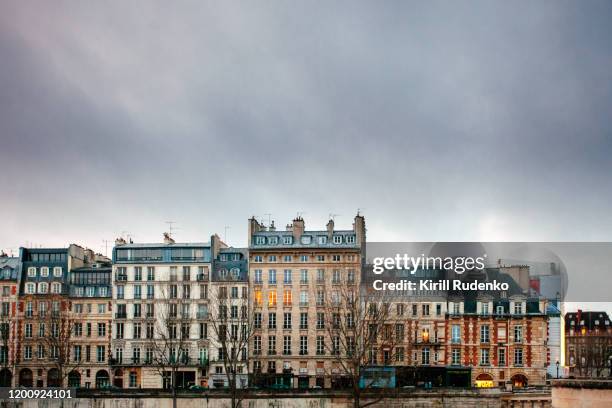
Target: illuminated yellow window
257	297
272	298
287	298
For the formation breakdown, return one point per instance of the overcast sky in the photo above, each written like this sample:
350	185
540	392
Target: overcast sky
442	121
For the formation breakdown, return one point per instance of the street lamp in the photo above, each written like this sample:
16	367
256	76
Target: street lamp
557	368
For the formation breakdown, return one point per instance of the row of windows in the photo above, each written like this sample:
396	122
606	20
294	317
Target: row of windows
303	276
156	254
43	287
138	273
304	239
54	353
44	271
287	297
304	258
53	257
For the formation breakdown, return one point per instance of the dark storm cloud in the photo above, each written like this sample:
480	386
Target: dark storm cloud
445	121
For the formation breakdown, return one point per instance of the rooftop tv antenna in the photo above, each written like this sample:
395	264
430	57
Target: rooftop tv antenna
333	216
170	228
106	242
269	218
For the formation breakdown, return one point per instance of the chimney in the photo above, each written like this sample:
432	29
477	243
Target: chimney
168	239
272	227
298	228
120	241
254	226
330	229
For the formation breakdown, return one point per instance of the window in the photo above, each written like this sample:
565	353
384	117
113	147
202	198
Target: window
287	277
44	271
137	331
150	273
27	352
272	298
425	310
272	258
137	310
272	276
186	273
120	291
456	333
287	321
101	329
303	298
258	276
336	276
320	275
257	345
30	288
518	357
303	321
273	240
150	291
100	354
137	292
501	357
303	345
518	334
351	279
320	258
57	271
484	357
499	310
271	345
288	258
288	240
337	239
257	258
304	258
286	345
485	309
31	272
119	331
43	287
259	240
287	298
320	320
78	329
257	299
456	356
484	333
425	356
322	240
438	309
271	320
138	273
257	320
336	258
28	330
518	308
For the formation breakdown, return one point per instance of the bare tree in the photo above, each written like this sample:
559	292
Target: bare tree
592	354
232	324
360	336
170	342
59	340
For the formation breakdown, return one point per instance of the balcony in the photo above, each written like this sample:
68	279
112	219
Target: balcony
120	315
303	304
201	277
121	277
202	315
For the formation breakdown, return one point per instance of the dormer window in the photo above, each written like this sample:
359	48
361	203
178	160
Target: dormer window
44	271
288	240
223	273
337	239
322	240
57	271
273	240
42	287
235	273
32	272
30	288
350	239
306	239
259	240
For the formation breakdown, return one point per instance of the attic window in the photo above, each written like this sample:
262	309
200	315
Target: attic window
288	240
337	239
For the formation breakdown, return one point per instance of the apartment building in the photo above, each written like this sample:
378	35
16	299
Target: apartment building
500	337
291	273
588	344
43	315
160	303
90	293
9	269
229	306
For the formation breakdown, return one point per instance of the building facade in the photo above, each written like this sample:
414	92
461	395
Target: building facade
231	317
90	293
291	273
160	308
588	344
9	270
43	314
